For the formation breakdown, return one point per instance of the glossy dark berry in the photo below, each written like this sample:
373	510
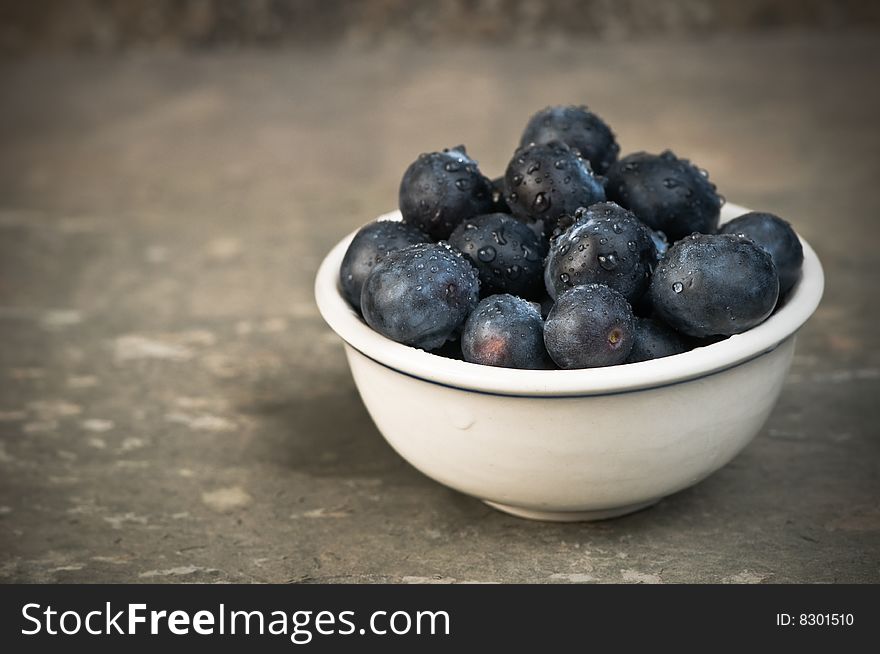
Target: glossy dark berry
507	253
440	189
666	193
420	295
777	237
606	245
577	127
368	247
589	326
505	331
548	182
654	340
714	285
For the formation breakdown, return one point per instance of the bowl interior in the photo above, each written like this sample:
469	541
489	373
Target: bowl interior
345	321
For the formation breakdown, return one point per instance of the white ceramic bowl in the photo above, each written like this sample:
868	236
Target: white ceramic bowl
571	445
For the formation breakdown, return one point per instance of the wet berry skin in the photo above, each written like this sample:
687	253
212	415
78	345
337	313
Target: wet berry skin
440	189
505	331
548	182
507	253
777	237
420	295
654	340
666	193
714	285
368	247
577	127
606	245
589	326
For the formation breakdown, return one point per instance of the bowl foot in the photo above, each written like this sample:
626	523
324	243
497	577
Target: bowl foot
570	516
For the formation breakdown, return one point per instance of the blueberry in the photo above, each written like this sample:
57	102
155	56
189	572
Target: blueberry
589	326
666	193
368	247
505	331
606	245
776	236
440	189
714	285
420	295
654	340
507	253
577	127
548	182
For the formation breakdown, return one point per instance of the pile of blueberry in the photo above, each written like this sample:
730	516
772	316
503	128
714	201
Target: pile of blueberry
574	259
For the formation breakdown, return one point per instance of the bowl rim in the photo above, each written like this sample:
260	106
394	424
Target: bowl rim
699	362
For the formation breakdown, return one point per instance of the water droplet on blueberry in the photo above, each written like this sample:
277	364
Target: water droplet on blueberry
608	261
486	254
541	203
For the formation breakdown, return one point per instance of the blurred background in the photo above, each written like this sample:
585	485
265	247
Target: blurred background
113	25
172	407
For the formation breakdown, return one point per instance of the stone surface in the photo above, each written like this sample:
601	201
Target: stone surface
172	407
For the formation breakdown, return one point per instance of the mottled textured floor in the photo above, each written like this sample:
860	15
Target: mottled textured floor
172	407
